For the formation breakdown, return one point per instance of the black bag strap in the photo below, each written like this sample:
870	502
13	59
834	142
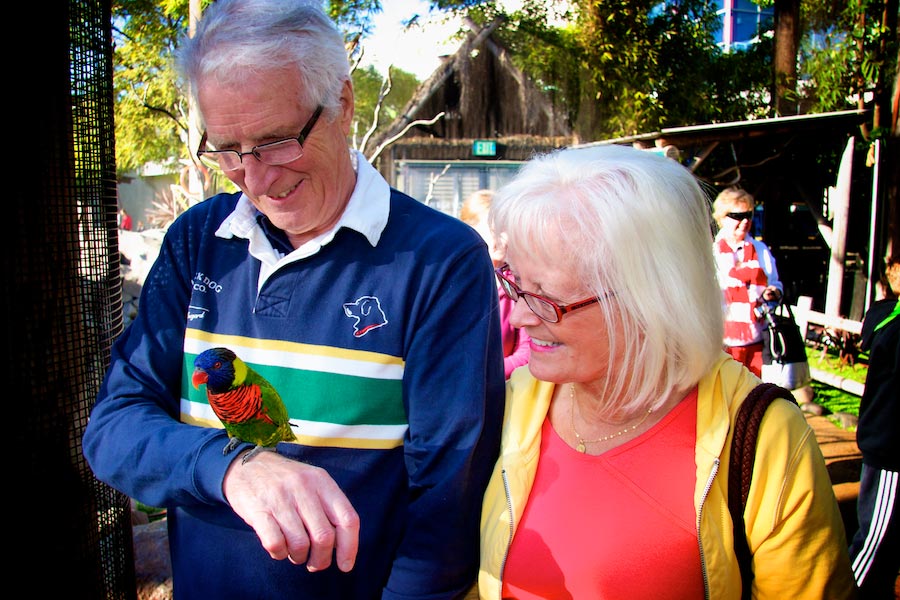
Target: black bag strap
787	307
781	306
740	467
777	344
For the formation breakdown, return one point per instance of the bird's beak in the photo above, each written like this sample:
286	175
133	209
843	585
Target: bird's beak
198	378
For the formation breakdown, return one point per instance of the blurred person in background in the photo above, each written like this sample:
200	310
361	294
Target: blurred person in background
747	275
875	549
516	342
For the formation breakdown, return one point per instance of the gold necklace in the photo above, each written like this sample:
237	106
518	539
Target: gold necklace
582	442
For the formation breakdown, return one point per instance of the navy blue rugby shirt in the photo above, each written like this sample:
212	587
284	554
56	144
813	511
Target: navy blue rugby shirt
384	344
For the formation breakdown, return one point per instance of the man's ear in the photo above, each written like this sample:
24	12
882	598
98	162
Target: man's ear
347	106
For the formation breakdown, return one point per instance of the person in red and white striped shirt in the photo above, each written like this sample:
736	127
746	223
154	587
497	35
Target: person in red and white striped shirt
747	275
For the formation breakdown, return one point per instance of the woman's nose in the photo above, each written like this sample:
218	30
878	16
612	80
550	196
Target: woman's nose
522	315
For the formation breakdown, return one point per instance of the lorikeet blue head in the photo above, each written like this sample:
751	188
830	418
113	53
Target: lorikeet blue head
216	368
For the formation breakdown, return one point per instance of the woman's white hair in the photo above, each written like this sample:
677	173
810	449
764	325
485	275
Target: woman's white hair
236	39
638	225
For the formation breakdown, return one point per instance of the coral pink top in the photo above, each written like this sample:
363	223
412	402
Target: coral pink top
618	525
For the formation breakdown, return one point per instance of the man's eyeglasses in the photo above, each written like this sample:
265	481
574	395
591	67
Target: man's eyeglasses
545	309
273	153
740	216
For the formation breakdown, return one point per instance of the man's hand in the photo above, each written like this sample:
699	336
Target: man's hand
297	510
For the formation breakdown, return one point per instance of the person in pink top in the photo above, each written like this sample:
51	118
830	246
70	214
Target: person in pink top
515	341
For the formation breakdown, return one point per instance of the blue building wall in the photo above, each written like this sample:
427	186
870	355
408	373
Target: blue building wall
741	20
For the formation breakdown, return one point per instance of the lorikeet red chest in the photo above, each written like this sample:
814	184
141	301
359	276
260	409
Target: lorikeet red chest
239	405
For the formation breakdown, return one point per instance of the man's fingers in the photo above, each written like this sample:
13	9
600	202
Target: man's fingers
270	534
347	542
321	537
333	528
295	537
345	522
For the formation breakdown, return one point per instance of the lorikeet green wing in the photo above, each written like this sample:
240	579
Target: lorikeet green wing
248	406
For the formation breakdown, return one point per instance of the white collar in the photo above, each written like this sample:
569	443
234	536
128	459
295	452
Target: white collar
367	212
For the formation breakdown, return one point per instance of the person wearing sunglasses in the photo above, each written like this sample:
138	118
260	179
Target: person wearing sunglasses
613	469
747	276
373	316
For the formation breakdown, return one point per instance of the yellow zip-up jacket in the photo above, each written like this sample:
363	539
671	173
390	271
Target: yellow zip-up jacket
794	527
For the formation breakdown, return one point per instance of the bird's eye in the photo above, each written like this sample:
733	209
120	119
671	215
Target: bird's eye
217	365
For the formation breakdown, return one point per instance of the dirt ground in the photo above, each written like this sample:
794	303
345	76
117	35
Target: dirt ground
844	461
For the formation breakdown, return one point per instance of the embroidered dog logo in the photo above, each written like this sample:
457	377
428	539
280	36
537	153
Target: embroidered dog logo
368	314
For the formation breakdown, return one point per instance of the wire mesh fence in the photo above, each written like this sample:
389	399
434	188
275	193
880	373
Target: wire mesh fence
63	305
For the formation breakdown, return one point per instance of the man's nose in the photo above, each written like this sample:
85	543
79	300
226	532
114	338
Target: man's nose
257	176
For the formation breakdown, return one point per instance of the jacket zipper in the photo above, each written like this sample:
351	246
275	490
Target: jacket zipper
509	539
709	482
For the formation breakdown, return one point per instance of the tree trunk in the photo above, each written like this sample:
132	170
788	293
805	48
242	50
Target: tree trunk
787	44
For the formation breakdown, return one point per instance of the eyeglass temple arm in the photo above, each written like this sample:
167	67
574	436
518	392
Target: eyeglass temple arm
201	147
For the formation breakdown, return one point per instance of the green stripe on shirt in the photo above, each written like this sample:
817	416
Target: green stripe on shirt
339	397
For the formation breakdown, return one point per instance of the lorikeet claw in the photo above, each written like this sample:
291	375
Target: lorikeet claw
254	451
231	445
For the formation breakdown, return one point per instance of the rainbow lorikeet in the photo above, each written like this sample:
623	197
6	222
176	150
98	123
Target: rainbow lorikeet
248	406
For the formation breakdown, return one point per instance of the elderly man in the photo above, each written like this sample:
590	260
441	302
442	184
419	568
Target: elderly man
373	316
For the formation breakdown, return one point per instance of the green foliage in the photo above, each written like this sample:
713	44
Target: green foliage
150	105
835	400
828	85
367	85
154	513
549	55
622	67
848	50
742	83
456	4
832	364
617	67
354	16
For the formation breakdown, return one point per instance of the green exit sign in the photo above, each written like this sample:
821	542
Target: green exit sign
484	148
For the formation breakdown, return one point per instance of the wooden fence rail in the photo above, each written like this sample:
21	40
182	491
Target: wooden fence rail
804	316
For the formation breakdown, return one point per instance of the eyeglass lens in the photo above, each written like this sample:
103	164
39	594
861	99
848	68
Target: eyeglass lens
542	308
740	216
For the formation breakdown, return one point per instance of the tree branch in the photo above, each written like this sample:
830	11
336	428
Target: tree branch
386	86
402	132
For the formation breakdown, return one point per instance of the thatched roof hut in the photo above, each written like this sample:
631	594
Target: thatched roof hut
477	95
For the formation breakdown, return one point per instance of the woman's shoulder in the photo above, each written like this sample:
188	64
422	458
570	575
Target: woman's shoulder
526	394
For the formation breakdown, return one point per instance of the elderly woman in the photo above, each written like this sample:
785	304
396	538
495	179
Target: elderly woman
612	479
747	275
